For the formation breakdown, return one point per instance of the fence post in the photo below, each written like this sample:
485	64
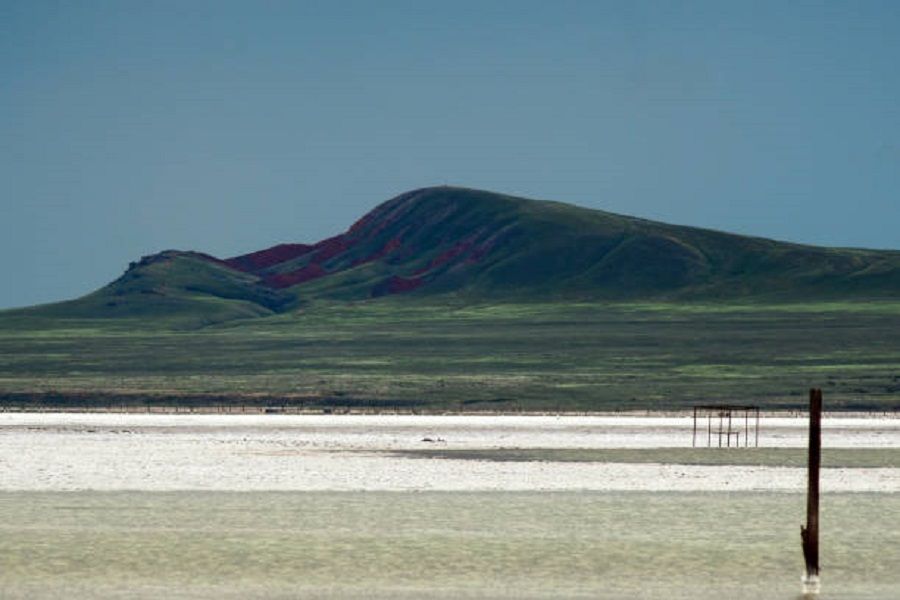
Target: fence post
810	533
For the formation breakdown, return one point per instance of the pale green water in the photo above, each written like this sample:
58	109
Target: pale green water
513	545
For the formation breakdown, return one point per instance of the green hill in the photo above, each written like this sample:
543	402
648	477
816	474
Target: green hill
183	289
480	245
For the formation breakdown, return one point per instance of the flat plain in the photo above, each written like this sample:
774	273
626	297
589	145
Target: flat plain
405	355
680	545
124	503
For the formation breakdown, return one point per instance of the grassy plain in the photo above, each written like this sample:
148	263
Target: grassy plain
414	354
706	546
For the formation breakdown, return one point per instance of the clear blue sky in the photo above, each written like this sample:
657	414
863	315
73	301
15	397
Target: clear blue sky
128	127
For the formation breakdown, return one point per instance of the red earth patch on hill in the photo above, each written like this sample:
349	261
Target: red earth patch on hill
307	273
397	285
444	257
263	259
330	248
390	246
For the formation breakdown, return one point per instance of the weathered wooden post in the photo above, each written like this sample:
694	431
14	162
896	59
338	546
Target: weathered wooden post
728	441
810	533
694	439
757	428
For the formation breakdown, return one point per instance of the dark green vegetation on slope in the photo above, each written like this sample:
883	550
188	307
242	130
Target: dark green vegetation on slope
413	354
169	289
482	246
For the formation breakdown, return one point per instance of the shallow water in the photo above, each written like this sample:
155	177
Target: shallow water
441	544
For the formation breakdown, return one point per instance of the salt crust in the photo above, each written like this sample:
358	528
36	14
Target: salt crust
155	452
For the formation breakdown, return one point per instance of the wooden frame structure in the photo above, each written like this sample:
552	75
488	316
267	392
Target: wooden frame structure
720	422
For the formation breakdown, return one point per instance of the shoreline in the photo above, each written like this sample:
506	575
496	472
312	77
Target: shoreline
238	410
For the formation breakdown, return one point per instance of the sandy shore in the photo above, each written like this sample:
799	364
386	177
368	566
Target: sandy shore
97	451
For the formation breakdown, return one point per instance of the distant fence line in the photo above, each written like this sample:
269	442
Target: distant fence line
223	404
47	402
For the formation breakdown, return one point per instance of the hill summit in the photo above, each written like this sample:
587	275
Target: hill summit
482	245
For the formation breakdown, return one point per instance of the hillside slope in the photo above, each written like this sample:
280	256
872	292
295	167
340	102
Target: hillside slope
478	243
482	245
183	289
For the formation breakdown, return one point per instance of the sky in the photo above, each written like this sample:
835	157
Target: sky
130	127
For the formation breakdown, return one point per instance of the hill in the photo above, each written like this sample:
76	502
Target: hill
468	300
480	245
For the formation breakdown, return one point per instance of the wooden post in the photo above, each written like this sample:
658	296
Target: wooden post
694	439
810	533
729	429
757	428
746	428
720	427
